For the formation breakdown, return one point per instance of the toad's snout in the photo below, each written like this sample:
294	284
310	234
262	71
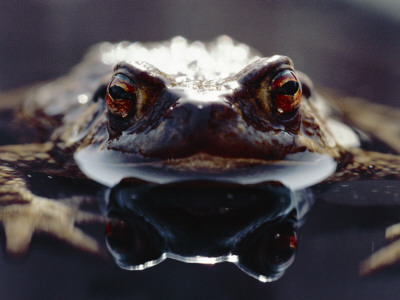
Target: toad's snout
205	123
201	118
197	125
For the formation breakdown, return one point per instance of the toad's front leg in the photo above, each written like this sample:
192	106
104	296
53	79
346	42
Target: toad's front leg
23	213
386	256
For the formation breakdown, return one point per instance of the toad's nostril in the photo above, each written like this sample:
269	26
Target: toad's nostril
192	127
200	117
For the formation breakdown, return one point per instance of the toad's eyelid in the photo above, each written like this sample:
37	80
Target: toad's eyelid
122	76
121	84
284	76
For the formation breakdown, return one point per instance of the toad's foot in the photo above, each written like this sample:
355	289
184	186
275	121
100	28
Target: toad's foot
23	214
358	164
378	120
386	256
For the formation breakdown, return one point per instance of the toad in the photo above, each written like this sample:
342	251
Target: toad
172	111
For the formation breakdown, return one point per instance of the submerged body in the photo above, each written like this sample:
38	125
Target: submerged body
174	111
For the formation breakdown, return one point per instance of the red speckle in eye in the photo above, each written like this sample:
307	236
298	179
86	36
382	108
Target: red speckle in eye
119	107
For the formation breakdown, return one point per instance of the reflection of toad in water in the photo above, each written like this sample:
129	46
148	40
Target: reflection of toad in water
253	227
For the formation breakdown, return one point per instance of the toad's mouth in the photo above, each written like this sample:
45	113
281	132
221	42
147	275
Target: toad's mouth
296	171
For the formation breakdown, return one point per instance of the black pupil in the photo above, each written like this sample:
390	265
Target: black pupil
117	92
289	88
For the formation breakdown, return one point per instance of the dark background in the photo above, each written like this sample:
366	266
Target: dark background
345	45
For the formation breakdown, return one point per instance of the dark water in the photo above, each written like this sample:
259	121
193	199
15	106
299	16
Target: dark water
339	45
332	241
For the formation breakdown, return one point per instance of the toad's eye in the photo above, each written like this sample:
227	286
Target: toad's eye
285	94
121	97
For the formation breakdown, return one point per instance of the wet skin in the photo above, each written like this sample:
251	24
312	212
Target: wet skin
172	111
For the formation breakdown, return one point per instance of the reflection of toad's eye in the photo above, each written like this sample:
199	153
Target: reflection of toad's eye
119	235
286	94
121	97
131	244
268	251
283	246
